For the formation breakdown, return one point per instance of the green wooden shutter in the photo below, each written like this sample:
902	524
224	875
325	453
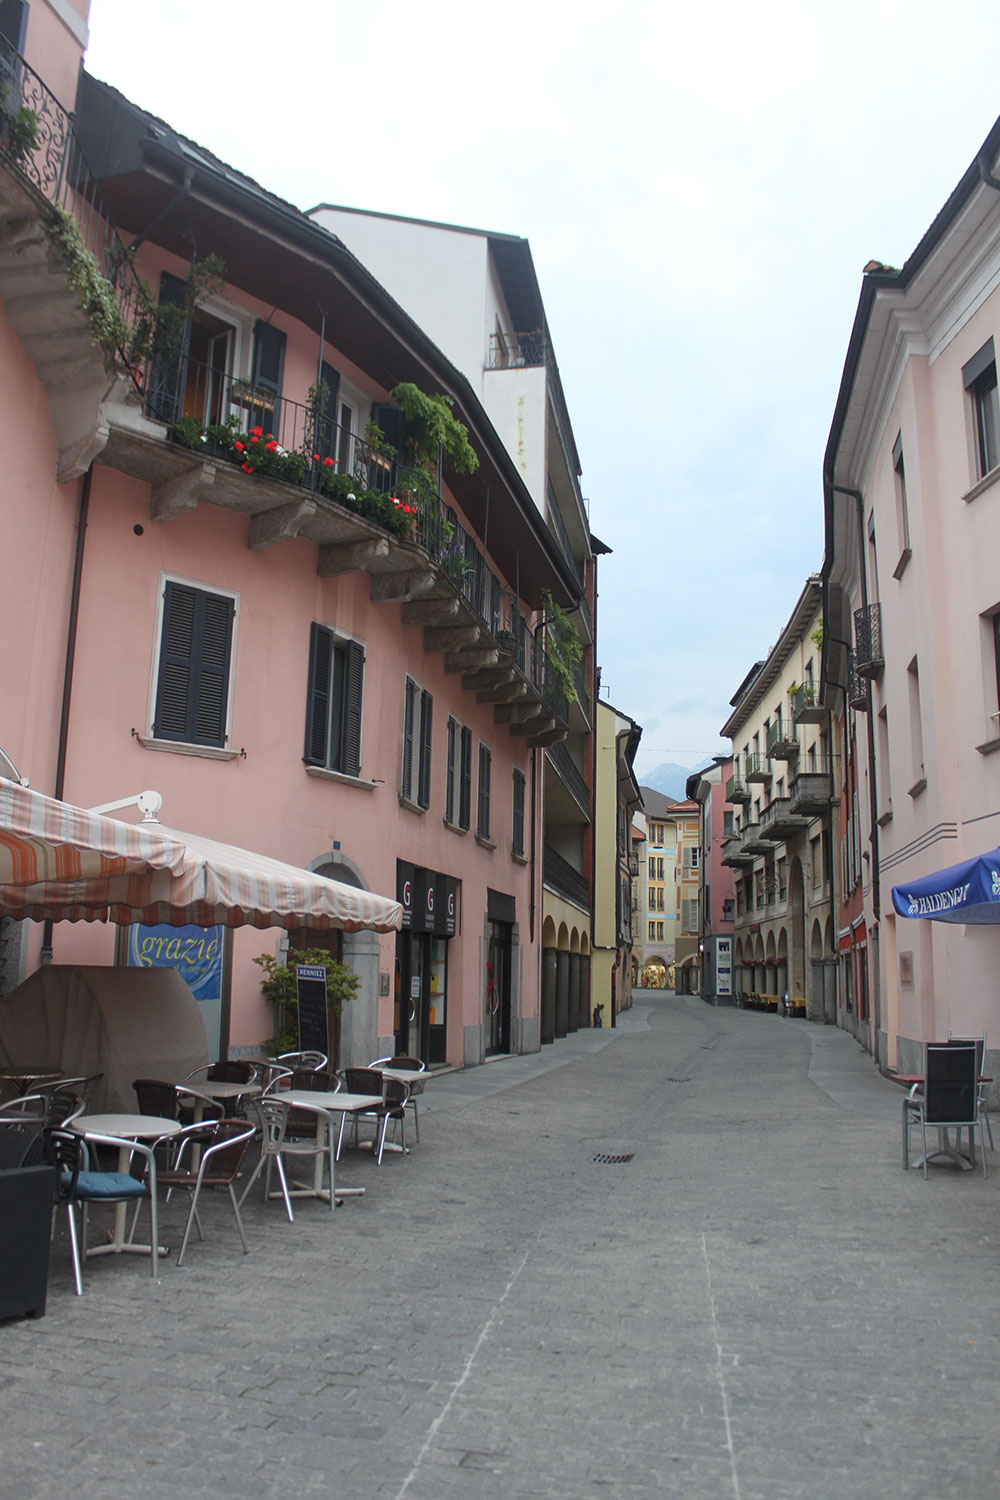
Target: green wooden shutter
326	435
192	692
168	362
212	692
353	685
449	789
390	419
483	821
406	785
268	371
13	23
465	785
318	696
426	718
518	828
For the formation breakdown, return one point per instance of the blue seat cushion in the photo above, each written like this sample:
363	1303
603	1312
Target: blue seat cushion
104	1185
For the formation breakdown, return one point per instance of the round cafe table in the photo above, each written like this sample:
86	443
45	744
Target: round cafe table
25	1076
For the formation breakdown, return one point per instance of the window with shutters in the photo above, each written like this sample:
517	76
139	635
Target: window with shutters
415	780
193	690
517	834
334	693
483	806
979	378
458	776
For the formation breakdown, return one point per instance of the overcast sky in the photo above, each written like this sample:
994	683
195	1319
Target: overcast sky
701	188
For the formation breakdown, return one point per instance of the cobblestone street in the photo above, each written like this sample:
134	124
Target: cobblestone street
759	1304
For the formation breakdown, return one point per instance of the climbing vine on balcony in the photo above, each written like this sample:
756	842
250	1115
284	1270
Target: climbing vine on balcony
96	295
430	427
562	644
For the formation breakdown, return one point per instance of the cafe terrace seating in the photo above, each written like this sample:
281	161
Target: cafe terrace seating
408	1065
948	1098
79	1182
393	1106
224	1144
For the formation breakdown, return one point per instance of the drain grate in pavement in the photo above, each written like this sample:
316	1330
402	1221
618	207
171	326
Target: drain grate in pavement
614	1161
672	1079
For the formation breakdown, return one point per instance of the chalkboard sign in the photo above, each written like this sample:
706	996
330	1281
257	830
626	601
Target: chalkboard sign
314	1027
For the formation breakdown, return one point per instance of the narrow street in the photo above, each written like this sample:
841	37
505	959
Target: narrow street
758	1303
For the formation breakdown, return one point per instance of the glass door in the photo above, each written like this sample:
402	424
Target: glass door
411	1010
497	1020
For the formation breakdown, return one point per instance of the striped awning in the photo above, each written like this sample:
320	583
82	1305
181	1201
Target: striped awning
63	864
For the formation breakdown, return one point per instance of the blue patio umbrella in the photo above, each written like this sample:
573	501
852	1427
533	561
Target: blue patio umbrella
966	892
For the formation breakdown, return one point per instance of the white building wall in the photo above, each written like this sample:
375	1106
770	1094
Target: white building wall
438	275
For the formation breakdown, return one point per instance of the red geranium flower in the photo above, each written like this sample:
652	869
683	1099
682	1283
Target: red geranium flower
315	458
328	463
256	431
238	447
272	446
247	468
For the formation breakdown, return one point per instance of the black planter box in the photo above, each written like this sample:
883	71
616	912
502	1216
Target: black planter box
26	1195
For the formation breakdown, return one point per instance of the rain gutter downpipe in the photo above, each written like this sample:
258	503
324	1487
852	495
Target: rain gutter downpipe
67	691
859	501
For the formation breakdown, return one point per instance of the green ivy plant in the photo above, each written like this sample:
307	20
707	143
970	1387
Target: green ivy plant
279	987
96	295
430	427
20	129
161	327
562	644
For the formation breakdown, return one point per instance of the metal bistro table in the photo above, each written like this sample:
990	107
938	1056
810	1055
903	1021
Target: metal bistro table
128	1128
24	1076
328	1103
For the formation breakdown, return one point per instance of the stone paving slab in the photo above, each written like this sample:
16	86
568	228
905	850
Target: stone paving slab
760	1304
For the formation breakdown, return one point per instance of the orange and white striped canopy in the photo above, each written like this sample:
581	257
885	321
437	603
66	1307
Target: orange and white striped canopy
63	864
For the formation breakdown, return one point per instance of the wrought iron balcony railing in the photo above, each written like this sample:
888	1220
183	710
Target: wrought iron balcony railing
222	416
518	351
782	743
868	640
37	137
737	790
560	875
857	687
806	708
757	768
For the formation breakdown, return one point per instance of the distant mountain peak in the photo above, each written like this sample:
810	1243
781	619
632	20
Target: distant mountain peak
668	778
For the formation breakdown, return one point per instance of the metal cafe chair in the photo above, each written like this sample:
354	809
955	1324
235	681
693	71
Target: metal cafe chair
224	1144
79	1184
948	1099
410	1065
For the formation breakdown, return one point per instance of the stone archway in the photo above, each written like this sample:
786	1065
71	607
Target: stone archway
770	966
782	960
358	1030
547	1020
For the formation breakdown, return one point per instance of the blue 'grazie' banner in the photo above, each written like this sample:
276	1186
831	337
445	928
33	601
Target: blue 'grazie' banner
195	952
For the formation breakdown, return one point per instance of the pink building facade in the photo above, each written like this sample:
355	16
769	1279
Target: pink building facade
717	896
317	650
912	621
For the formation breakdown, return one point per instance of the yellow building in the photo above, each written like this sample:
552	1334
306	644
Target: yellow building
616	799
